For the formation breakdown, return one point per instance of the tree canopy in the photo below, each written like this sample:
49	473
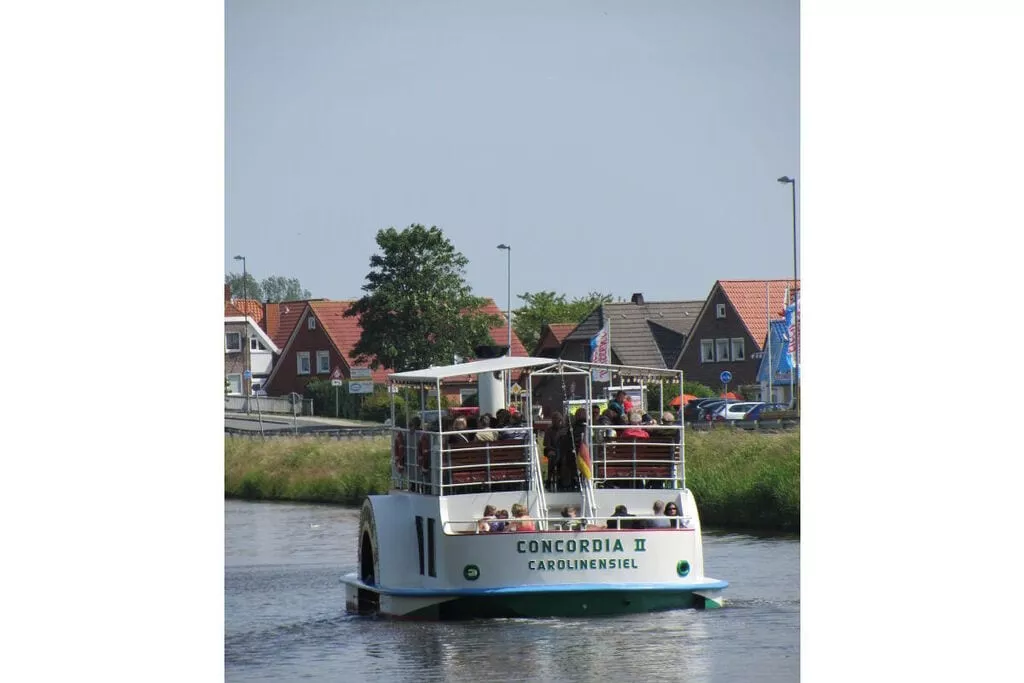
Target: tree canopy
543	308
273	288
418	309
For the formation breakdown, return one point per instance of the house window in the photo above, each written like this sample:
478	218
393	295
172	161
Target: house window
464	394
256	345
303	360
323	362
311	323
721	350
707	350
738	350
234	384
720	311
232	341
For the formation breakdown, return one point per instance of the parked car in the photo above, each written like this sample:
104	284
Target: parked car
734	410
692	410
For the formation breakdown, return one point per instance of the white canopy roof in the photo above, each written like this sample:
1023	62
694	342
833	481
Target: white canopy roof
472	368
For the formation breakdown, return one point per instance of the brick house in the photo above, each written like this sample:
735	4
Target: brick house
246	346
730	330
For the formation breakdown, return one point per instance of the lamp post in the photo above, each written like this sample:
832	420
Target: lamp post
786	180
508	375
245	332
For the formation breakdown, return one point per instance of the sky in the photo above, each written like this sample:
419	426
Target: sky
618	147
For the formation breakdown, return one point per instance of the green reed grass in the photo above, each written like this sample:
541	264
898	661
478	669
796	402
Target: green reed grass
741	480
745	480
311	469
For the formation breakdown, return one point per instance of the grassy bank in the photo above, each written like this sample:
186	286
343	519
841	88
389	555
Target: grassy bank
742	480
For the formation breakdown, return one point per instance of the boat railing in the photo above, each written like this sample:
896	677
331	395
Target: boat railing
640	463
503	464
461	527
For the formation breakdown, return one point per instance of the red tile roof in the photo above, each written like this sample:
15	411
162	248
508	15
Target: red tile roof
561	330
748	298
499	335
344	332
230	311
251	306
287	320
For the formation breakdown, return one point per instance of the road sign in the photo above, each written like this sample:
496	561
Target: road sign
361	373
360	387
516	389
336	374
337	382
247	374
726	377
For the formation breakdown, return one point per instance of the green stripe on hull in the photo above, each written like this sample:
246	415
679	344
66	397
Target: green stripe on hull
572	604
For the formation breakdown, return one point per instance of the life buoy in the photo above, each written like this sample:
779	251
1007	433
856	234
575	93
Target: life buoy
400	452
423	452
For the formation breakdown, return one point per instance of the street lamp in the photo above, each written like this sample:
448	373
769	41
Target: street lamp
508	375
245	331
786	180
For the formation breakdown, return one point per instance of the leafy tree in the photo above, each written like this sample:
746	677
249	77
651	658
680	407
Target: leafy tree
277	288
418	310
543	308
249	288
697	389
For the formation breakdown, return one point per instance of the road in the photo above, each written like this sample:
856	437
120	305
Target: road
240	422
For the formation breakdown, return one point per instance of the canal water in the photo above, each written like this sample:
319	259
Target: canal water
285	617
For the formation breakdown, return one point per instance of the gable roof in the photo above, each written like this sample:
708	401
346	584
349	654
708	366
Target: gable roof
499	334
343	332
267	341
748	298
289	313
561	330
643	334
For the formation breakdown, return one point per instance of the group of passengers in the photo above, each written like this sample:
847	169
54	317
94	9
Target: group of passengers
503	425
666	516
495	521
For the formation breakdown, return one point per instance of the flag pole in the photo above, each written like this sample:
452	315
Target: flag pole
768	319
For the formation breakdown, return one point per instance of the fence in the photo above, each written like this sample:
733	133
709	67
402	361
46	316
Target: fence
271	405
746	425
337	434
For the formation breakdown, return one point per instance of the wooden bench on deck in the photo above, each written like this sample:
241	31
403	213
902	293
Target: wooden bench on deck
634	459
507	461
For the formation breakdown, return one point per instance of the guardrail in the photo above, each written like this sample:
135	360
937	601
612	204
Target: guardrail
329	433
746	425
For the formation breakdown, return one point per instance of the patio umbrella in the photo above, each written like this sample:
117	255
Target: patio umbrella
679	400
732	395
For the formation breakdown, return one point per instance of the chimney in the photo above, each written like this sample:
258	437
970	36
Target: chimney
227	292
637	298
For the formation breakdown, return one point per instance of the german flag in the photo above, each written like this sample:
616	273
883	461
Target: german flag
583	461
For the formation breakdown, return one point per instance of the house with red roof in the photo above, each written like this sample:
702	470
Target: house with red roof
730	330
247	346
316	339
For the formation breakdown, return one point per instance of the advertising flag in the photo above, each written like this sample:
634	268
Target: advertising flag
601	352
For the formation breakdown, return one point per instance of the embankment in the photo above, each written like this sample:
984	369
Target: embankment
742	480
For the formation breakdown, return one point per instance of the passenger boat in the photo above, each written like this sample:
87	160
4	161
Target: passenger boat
425	550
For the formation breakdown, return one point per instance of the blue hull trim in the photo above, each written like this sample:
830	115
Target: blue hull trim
543	588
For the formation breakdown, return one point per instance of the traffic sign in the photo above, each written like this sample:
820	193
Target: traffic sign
361	373
336	374
247	374
360	387
337	382
726	377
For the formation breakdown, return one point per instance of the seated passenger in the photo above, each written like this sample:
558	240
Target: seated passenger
458	424
634	431
485	523
500	524
571	515
618	404
516	428
488	434
660	521
520	520
672	512
620	511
